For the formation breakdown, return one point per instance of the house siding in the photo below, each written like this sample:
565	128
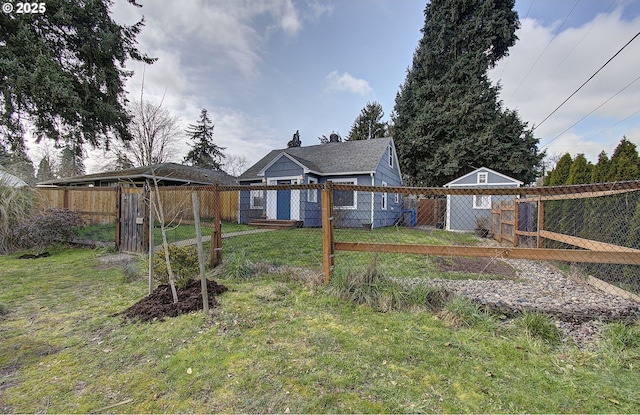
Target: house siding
461	214
391	177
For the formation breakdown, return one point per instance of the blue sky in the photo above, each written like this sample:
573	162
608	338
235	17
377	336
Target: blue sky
266	68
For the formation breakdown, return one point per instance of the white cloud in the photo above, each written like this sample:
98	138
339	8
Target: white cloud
536	83
346	83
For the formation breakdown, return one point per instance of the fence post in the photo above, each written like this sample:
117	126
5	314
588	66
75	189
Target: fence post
540	220
516	221
118	216
203	277
216	232
151	245
327	231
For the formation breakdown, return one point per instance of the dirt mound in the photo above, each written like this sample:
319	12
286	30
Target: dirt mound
159	304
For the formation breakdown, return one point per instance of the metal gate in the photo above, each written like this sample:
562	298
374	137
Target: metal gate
132	220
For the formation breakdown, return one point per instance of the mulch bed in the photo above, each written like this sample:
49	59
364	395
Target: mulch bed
475	266
159	304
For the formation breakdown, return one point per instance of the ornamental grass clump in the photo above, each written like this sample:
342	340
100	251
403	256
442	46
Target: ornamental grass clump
370	287
15	207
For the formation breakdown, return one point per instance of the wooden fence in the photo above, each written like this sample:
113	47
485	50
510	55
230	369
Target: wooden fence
99	205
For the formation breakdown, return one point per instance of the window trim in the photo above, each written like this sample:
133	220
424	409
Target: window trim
312	194
391	155
254	192
478	206
384	202
353	181
486	178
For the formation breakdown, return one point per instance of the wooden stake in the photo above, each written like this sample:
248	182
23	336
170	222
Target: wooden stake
151	253
203	277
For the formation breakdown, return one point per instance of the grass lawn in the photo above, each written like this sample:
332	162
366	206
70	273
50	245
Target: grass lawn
278	344
107	233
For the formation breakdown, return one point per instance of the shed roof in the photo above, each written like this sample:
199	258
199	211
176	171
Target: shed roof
167	173
481	169
346	157
7	179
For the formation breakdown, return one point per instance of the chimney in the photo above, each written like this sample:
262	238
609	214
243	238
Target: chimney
334	138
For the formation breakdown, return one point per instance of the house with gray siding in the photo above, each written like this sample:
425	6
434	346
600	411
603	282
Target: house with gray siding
367	162
463	210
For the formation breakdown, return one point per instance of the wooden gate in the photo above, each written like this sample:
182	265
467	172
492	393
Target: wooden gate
431	211
132	232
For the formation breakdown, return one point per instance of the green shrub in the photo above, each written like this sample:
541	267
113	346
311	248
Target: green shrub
184	264
539	326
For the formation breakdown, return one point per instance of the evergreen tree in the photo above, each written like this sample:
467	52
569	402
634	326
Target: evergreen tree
447	117
624	162
63	71
71	161
580	171
600	172
45	170
560	174
18	163
368	124
204	152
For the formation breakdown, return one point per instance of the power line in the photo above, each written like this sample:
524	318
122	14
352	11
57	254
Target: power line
545	48
594	110
586	82
536	90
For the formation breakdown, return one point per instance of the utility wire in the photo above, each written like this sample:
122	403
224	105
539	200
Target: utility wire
536	90
594	110
585	82
545	48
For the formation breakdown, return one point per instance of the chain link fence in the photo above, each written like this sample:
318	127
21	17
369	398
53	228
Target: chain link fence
462	237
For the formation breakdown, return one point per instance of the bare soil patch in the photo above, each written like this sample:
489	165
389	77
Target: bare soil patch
159	304
490	266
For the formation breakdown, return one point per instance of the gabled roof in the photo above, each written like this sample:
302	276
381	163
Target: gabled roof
504	176
168	173
348	157
7	179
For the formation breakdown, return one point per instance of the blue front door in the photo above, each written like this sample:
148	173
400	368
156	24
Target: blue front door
284	202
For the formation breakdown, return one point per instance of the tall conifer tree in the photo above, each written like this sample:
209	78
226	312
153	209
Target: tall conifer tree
447	117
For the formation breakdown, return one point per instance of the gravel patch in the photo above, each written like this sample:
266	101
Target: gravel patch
578	309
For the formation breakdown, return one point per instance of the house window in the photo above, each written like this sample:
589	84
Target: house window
345	199
391	155
482	178
384	197
482	202
397	198
312	194
257	199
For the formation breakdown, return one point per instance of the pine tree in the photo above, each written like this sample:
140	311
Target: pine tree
63	71
600	171
45	170
368	124
624	162
204	152
560	174
447	116
71	161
